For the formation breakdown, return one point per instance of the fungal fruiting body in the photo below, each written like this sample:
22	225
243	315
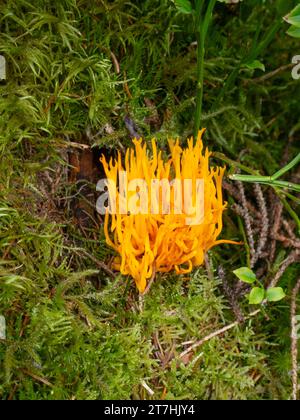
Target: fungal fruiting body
152	229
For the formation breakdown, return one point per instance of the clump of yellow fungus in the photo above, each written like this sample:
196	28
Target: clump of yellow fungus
159	237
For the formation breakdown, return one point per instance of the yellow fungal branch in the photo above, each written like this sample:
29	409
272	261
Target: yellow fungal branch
149	243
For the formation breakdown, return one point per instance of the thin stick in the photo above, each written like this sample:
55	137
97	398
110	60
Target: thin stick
150	282
277	212
270	75
289	209
37	378
291	259
215	334
248	225
263	237
100	264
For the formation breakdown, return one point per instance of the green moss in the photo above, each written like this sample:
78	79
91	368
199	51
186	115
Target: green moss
72	333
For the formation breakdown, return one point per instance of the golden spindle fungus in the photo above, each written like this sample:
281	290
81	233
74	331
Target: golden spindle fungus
162	237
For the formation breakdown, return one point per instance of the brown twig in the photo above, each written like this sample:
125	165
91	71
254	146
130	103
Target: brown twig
271	74
150	282
240	211
289	229
236	195
100	264
288	242
215	334
263	237
247	224
115	62
291	259
37	378
278	209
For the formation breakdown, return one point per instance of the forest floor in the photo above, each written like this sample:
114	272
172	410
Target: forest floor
84	77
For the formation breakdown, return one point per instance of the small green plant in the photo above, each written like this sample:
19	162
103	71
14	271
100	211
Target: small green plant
258	293
272	181
293	18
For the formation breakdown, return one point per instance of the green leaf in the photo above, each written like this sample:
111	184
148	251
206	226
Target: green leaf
256	296
245	274
256	65
184	6
294	32
274	294
294	17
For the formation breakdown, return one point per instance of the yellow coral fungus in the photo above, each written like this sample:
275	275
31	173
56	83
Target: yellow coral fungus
152	229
